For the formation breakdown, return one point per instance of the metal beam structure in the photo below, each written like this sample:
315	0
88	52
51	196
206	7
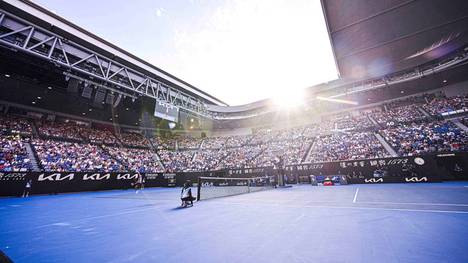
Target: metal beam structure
132	79
24	36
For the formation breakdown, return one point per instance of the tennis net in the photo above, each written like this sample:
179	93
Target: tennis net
214	187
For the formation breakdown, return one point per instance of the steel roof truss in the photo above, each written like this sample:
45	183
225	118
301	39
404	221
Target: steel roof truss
100	67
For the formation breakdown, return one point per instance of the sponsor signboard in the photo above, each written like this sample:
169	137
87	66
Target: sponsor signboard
412	169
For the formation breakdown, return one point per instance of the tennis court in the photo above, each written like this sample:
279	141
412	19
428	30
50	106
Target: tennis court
353	223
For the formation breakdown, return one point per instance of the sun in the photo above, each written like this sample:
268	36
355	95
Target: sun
288	99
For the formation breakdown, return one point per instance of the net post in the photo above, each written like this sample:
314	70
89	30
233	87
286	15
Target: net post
198	188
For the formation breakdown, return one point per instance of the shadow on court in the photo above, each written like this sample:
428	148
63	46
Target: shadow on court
354	223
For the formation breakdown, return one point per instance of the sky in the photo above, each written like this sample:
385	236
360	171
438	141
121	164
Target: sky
239	51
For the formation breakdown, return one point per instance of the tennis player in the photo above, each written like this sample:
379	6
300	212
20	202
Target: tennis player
280	169
186	195
139	183
27	188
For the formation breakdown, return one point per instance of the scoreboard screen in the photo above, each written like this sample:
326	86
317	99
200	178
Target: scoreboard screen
166	111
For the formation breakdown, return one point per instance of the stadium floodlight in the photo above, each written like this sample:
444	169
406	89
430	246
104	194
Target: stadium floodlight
337	100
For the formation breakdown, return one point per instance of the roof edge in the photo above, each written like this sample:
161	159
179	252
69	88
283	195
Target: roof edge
86	32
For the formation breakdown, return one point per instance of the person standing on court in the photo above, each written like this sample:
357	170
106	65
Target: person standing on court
27	188
280	170
138	183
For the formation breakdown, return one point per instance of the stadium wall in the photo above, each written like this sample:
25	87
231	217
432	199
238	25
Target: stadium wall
411	169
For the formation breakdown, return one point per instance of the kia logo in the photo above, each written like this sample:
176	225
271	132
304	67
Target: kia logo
416	179
373	180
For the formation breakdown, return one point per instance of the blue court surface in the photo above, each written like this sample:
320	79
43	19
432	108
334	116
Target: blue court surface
354	223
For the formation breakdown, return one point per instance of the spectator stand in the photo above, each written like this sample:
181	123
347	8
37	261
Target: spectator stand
15	125
421	138
62	131
391	116
189	143
133	139
62	156
99	136
346	146
441	106
13	154
316	142
135	159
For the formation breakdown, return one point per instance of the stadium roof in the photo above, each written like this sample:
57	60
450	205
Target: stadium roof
374	38
56	24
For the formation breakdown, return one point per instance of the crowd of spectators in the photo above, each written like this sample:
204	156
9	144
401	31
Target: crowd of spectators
346	146
324	127
58	130
391	116
161	143
263	136
288	134
208	159
188	142
240	157
214	142
176	161
292	151
98	136
13	154
356	121
237	141
59	156
264	146
136	160
132	139
14	125
411	139
360	122
344	122
69	146
82	133
441	104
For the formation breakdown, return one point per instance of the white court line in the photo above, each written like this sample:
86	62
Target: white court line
87	218
353	207
98	217
355	195
395	203
334	202
395	209
299	218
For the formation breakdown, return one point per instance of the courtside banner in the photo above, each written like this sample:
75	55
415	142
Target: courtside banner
60	182
406	179
160	179
192	177
455	164
12	183
411	169
77	182
250	172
